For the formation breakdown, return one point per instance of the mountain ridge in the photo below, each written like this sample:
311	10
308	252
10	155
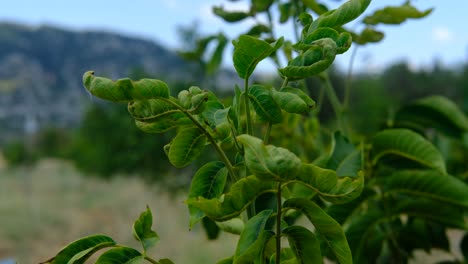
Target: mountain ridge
41	69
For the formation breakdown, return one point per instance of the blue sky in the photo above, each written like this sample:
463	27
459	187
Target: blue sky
443	35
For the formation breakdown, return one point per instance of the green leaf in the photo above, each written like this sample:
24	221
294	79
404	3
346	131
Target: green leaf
430	184
165	261
347	12
257	30
346	160
80	250
162	125
434	112
365	225
310	103
226	261
261	5
124	90
156	116
409	145
121	255
233	203
286	11
229	16
268	162
142	230
217	56
233	226
249	51
186	146
327	227
211	228
253	239
264	105
290	102
368	35
343	212
395	14
329	186
208	182
287	257
312	62
304	244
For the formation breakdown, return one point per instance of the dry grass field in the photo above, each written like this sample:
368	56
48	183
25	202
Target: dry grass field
44	207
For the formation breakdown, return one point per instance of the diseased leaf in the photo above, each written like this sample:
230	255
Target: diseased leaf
268	162
395	14
80	250
434	112
186	146
249	51
304	244
315	60
142	230
329	186
233	16
208	182
345	13
121	255
156	116
290	102
368	35
406	144
124	90
326	226
253	239
233	226
264	105
310	103
231	204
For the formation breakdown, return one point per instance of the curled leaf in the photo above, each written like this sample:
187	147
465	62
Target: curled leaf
142	230
395	14
209	182
268	162
264	104
347	12
186	146
249	51
230	16
124	90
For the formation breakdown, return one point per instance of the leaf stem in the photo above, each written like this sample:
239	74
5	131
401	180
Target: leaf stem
349	78
149	259
335	102
267	133
247	106
278	224
218	149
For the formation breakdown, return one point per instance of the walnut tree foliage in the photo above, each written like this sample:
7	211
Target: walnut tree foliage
367	200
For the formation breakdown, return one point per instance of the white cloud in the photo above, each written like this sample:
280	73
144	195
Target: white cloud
172	4
442	35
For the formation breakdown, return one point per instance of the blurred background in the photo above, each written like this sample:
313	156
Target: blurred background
72	165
